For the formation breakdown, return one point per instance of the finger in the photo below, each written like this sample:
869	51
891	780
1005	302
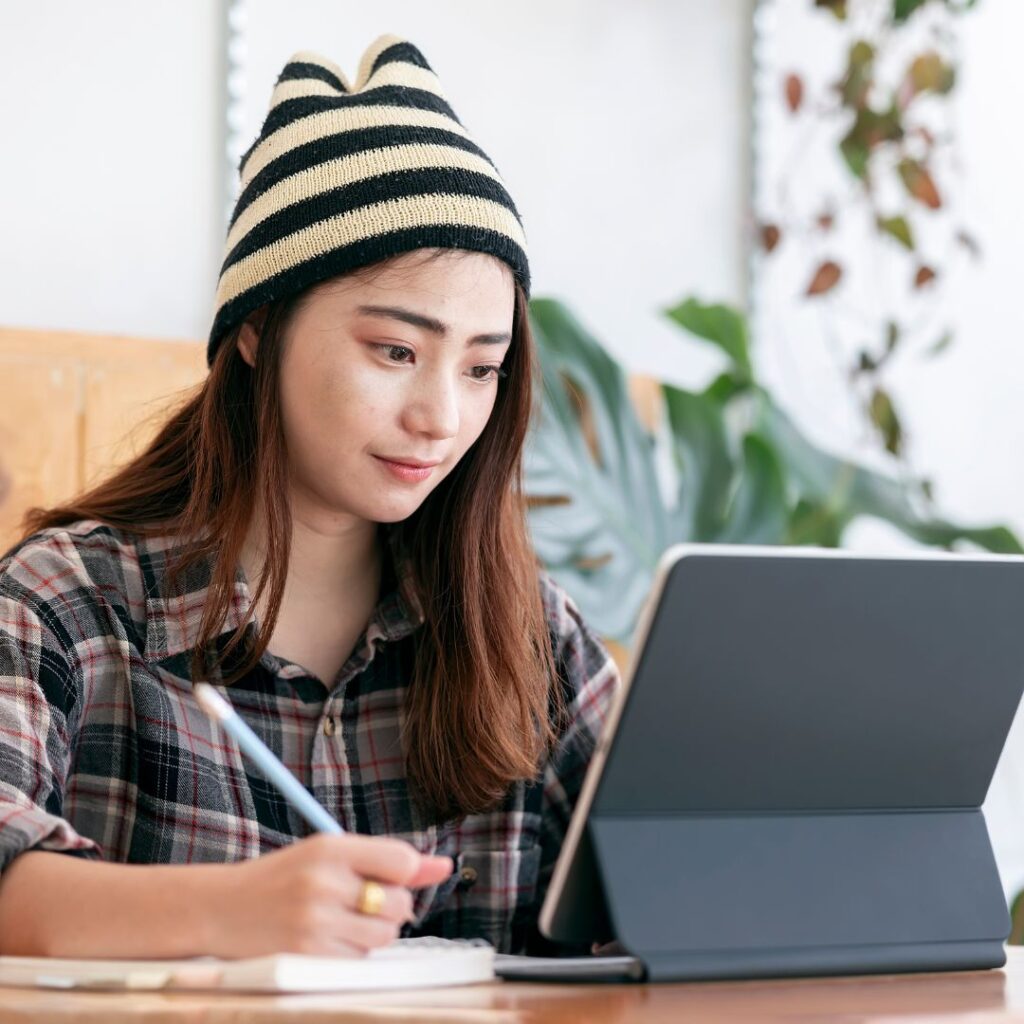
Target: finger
385	859
325	946
432	871
397	906
338	947
365	932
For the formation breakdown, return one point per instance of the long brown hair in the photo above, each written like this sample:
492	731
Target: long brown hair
483	694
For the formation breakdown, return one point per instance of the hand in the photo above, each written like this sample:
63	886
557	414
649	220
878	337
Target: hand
301	899
614	948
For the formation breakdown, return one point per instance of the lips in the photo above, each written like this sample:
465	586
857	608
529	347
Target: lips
412	463
406	471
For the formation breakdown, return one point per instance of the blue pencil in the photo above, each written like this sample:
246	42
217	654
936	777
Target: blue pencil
290	788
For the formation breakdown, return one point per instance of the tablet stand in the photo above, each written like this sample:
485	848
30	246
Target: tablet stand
814	893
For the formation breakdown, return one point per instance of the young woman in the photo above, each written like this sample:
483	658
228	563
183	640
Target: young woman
332	529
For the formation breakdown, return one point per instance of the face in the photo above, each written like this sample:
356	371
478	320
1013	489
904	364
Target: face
387	382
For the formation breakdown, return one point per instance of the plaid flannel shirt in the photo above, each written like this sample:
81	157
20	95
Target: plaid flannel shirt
104	753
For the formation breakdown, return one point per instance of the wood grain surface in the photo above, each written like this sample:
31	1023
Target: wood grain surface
975	997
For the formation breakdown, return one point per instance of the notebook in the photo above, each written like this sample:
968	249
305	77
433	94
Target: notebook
406	963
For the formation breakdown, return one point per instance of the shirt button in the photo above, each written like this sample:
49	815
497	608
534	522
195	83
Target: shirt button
468	875
328	726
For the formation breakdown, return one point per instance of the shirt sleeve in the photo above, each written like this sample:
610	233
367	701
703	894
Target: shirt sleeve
38	697
590	680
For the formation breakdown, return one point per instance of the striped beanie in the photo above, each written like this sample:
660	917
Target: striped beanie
344	175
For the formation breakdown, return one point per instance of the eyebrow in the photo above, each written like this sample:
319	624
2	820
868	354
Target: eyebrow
428	323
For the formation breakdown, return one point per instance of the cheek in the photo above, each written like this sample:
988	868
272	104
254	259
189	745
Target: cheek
332	410
475	416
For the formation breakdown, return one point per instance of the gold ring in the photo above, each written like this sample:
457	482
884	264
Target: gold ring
371	898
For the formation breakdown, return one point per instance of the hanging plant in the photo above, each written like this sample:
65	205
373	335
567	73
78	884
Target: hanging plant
888	115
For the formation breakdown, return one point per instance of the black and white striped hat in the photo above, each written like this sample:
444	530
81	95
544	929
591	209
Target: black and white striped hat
344	175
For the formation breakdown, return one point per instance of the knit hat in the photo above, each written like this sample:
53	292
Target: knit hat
341	176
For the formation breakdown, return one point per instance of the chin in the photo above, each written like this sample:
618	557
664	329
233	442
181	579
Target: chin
392	512
393	517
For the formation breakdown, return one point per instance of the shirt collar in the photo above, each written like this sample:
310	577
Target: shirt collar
173	615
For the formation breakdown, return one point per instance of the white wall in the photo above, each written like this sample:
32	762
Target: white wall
110	169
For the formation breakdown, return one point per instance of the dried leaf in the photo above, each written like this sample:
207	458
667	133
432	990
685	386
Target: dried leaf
930	73
899	229
919	183
770	235
856	80
794	92
925	275
876	127
856	154
593	563
883	416
585	415
869	130
837	7
547	500
826	277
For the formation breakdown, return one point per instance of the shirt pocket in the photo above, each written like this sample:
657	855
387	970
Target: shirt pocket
494	895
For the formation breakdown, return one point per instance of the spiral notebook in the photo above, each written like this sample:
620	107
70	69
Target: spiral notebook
407	963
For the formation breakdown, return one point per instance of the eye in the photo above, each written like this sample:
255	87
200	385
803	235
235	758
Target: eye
394	353
486	373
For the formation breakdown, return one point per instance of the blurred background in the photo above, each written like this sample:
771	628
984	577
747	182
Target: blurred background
773	246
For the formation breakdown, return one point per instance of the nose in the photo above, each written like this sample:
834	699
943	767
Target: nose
433	407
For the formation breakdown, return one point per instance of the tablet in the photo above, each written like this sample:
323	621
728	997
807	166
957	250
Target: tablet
791	778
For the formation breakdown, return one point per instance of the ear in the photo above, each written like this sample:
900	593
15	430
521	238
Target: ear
249	335
247	342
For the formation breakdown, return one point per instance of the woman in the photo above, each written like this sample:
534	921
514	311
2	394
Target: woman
332	529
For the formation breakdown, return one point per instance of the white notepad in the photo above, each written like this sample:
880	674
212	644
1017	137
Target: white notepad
407	963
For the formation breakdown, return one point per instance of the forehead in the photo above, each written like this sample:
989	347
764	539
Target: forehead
452	286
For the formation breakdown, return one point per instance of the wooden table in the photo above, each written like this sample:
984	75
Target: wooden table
975	996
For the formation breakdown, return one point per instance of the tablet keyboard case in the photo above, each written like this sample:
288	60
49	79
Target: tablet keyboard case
800	791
